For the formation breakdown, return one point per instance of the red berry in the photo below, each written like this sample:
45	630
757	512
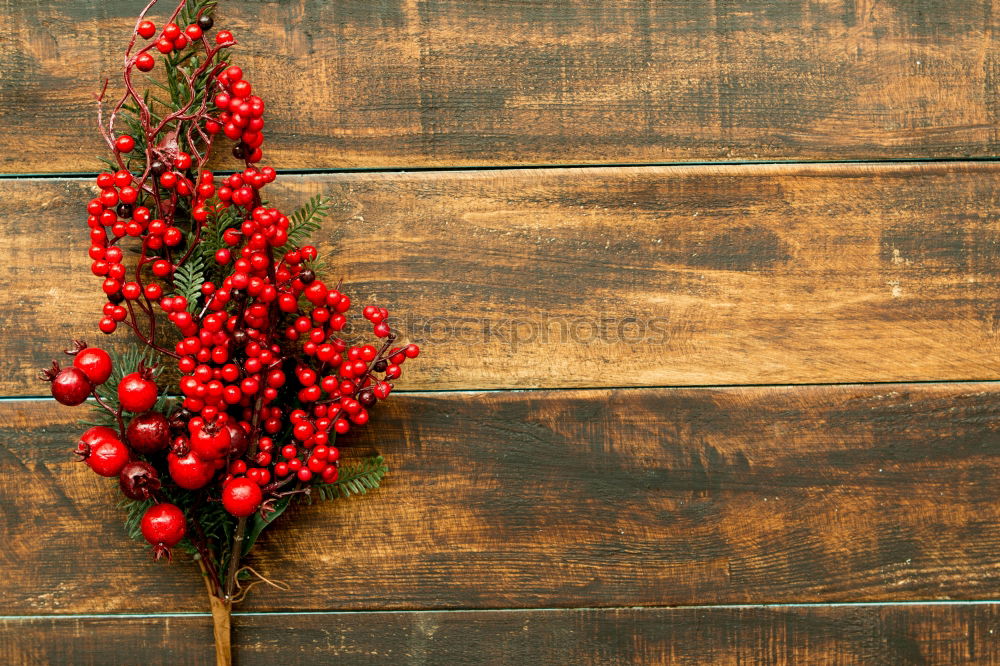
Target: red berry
71	386
163	526
241	497
145	62
171	31
138	480
189	471
136	393
224	37
125	143
95	363
107	456
148	433
211	441
146	29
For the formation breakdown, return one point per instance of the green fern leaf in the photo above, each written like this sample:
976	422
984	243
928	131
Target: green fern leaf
307	220
188	280
355	479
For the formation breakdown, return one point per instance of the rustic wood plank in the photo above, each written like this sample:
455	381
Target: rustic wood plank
571	499
607	276
892	634
449	82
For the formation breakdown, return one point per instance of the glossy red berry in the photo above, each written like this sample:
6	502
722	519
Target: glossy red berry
189	471
163	526
146	29
241	497
148	433
70	386
95	363
171	31
211	441
145	62
125	143
105	453
136	393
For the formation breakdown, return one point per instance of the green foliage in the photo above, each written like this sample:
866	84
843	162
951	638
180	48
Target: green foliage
193	9
355	479
134	510
211	241
257	524
306	220
188	280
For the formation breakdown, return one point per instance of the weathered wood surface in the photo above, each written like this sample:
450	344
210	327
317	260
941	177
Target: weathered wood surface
450	82
568	499
893	634
607	276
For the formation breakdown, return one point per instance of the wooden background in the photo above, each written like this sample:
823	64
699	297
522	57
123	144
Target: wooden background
710	304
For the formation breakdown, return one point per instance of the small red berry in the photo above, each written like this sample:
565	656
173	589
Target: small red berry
241	497
125	143
171	31
163	526
224	37
146	29
145	62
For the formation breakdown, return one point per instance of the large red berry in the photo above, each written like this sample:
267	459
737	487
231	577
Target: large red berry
190	471
104	453
136	393
148	433
238	438
92	436
70	386
163	526
211	441
241	497
138	480
95	363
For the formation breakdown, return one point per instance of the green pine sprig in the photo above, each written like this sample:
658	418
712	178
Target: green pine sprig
134	510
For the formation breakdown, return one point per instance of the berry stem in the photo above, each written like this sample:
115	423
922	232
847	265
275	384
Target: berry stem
117	413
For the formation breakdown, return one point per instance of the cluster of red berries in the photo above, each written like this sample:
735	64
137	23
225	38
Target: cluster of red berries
266	380
174	38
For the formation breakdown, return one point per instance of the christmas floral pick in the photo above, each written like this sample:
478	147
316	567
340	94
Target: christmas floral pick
226	401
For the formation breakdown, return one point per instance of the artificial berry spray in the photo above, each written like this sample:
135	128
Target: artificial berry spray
226	401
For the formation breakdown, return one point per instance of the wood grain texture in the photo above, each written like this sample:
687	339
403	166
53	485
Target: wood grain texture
651	276
569	499
893	634
449	82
